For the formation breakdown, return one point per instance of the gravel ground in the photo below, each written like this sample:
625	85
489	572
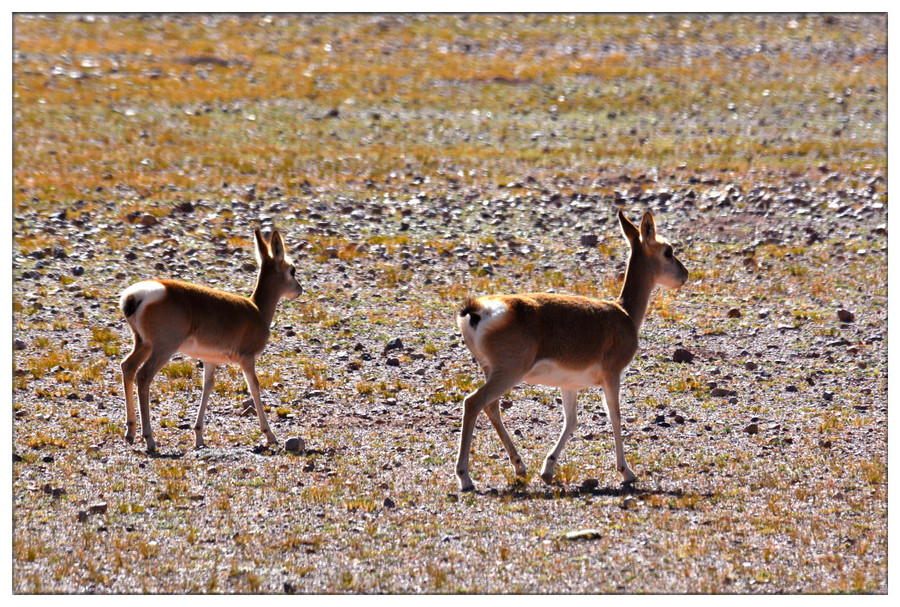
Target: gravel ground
755	411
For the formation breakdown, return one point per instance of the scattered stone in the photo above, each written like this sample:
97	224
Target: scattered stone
147	220
750	365
763	314
394	344
295	444
584	534
791	388
734	313
629	503
846	315
393	362
78	271
825	444
720	392
289	588
389	503
18	344
589	484
829	396
752	429
682	356
679	419
82	516
589	240
98	508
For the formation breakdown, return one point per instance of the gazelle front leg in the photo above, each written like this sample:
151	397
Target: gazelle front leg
209	371
570	415
249	369
611	397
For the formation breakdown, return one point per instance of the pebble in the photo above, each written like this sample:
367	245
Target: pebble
78	271
589	484
734	313
846	315
18	344
752	429
589	240
295	444
682	356
584	534
394	344
389	503
393	362
750	365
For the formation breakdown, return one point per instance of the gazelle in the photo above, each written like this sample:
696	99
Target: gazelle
565	341
169	316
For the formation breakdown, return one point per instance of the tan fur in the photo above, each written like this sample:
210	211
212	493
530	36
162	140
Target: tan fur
563	340
212	325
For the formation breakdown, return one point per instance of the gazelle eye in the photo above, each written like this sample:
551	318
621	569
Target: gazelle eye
668	252
293	270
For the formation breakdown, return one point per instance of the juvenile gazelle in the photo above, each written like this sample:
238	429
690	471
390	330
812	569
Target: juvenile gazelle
169	316
565	341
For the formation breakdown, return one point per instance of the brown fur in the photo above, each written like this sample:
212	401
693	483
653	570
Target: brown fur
563	340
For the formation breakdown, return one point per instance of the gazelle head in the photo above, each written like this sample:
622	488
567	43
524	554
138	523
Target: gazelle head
275	267
654	254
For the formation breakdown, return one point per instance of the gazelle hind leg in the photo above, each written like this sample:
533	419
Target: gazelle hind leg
496	385
209	371
156	361
611	398
249	369
130	365
492	410
570	416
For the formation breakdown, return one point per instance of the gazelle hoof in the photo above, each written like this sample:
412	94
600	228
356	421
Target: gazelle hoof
547	477
465	482
129	438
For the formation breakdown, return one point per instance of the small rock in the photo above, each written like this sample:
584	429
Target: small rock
682	356
752	429
18	344
679	419
750	365
589	484
289	588
846	315
78	271
295	444
389	503
584	534
394	344
82	516
791	389
147	220
825	444
98	508
629	503
734	313
393	362
589	240
720	392
829	396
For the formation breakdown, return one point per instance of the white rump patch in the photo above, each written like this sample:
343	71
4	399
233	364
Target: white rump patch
490	311
146	292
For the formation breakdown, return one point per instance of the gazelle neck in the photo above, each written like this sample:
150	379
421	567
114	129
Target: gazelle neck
266	297
635	295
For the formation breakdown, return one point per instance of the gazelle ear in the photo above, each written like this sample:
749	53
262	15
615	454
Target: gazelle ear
628	229
262	249
648	228
276	244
